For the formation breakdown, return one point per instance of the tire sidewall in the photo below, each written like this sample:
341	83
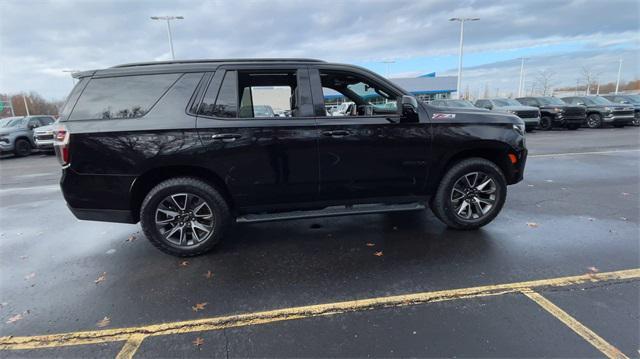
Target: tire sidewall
457	171
153	199
597	118
22	148
546	123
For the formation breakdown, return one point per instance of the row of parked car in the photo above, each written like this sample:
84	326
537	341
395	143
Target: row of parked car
19	135
570	112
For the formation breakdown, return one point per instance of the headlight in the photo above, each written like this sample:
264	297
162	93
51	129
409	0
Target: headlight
608	108
519	129
558	110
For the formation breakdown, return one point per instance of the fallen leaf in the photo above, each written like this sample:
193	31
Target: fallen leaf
624	218
30	276
131	238
626	194
378	254
593	269
370	244
14	319
104	322
532	224
199	306
101	278
198	342
208	275
184	263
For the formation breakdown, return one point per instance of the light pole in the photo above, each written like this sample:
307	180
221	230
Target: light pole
462	20
26	107
168	19
388	63
619	72
521	85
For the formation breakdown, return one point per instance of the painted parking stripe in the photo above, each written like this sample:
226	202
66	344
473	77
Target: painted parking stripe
581	153
134	335
587	334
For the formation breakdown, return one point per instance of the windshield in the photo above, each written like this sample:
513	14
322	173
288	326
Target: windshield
506	102
13	122
262	111
599	100
548	101
635	99
454	103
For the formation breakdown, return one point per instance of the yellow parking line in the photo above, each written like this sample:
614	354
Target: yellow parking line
131	346
215	323
587	334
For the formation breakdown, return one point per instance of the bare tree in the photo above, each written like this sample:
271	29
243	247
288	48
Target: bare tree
589	77
545	81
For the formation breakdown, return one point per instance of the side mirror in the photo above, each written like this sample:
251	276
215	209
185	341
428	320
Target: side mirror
409	109
33	126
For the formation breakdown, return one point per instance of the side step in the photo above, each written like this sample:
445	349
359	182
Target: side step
331	212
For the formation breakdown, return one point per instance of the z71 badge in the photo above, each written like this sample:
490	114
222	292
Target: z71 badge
443	116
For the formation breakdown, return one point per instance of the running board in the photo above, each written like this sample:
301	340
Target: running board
331	212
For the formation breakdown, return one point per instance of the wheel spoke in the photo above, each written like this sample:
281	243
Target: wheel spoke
484	184
189	219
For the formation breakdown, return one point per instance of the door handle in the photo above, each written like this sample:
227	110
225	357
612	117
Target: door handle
226	137
336	133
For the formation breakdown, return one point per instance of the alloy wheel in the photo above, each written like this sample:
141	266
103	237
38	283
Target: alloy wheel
593	121
185	219
473	195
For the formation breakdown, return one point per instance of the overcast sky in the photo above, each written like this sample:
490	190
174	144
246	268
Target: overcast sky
40	39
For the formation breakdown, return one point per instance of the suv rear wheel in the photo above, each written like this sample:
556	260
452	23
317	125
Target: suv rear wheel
184	216
470	195
22	147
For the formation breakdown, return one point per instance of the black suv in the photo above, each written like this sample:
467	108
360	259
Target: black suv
601	111
180	147
556	113
630	100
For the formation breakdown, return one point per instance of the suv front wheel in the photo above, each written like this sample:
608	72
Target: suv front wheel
184	216
470	195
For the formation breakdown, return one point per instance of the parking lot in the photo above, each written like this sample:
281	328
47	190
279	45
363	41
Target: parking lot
556	274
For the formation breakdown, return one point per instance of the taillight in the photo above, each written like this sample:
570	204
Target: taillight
61	144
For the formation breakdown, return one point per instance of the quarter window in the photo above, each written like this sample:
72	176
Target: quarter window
121	97
226	105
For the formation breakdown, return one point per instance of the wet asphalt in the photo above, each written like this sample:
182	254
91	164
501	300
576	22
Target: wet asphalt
573	214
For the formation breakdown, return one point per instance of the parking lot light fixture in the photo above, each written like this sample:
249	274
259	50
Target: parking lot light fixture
168	20
460	50
521	84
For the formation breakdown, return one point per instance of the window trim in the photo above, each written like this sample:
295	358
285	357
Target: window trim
68	119
362	76
218	77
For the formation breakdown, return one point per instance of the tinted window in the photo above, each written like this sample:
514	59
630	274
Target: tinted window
368	98
46	121
226	104
121	97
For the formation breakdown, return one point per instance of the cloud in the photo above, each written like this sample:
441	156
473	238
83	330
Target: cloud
97	34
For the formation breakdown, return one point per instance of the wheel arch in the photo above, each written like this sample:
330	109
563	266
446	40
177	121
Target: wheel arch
494	151
149	179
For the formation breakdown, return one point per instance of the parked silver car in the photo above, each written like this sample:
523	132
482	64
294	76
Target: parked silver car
16	133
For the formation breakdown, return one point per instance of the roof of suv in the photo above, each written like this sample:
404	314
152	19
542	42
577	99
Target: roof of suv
188	65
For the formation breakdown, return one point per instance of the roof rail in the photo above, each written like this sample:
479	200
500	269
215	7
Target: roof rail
215	61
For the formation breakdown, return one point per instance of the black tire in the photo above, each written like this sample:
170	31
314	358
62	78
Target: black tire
573	127
441	203
194	186
594	120
546	124
22	147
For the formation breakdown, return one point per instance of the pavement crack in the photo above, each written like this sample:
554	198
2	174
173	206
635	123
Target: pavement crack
226	342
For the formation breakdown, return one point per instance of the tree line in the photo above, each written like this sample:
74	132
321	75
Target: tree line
37	104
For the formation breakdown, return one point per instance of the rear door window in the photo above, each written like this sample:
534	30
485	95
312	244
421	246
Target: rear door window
121	97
